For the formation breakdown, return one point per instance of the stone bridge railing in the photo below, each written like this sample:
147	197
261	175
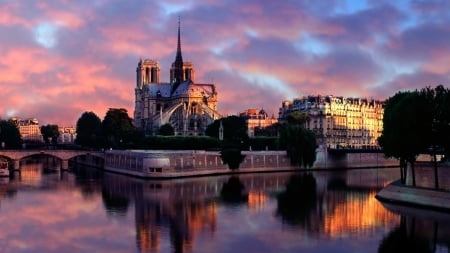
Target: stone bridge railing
63	155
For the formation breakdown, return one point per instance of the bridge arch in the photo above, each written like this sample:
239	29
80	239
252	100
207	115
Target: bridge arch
64	155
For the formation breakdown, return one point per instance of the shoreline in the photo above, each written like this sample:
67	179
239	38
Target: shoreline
418	197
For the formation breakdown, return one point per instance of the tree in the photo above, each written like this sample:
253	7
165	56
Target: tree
50	133
118	130
234	130
300	144
297	118
9	135
88	130
438	102
406	129
166	130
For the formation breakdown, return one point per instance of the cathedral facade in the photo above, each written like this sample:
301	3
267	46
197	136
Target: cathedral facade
189	107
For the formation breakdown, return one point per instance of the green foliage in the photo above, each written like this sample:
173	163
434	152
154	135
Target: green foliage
232	157
166	130
10	135
297	118
234	130
50	132
415	122
89	130
271	130
299	143
118	130
261	143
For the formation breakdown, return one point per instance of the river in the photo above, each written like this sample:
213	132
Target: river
88	210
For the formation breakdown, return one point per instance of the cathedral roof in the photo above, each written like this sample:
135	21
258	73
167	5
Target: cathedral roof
184	89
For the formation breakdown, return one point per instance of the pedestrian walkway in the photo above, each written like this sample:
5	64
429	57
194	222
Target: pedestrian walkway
415	196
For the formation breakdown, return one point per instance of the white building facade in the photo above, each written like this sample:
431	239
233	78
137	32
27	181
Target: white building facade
339	122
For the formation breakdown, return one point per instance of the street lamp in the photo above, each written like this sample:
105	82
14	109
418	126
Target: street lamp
221	131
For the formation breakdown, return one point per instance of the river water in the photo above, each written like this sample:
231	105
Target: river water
88	210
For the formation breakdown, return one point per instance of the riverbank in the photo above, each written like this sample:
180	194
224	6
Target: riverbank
188	163
421	197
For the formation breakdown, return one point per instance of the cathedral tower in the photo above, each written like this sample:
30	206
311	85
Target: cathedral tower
176	73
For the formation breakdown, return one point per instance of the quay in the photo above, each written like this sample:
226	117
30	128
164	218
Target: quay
423	195
188	163
180	163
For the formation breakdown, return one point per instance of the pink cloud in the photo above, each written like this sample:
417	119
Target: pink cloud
250	50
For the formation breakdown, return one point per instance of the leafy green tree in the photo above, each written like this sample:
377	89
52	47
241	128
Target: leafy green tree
438	103
166	130
88	130
9	135
234	131
118	130
50	132
406	128
297	118
300	144
232	156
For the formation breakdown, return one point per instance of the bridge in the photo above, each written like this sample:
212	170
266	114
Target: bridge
64	155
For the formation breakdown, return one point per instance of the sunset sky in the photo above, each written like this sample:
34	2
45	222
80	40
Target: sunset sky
62	58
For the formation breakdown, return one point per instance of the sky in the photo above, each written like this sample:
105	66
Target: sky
61	58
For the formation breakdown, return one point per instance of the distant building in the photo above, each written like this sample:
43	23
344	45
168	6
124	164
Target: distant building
67	135
29	129
188	106
257	119
340	122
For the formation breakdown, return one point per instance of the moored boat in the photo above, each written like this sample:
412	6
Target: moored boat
4	171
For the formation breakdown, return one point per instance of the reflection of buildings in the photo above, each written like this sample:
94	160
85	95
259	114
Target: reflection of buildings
257	119
355	213
29	129
340	122
184	209
345	205
188	106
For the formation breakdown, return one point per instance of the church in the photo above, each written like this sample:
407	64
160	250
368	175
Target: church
189	107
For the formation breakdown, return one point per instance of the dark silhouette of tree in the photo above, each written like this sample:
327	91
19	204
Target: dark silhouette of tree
88	130
233	191
299	200
401	240
407	124
166	130
118	130
234	131
232	157
300	144
50	132
297	118
438	101
9	135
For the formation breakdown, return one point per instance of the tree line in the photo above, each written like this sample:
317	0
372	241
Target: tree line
416	122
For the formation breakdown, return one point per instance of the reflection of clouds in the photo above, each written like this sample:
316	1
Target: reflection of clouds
61	222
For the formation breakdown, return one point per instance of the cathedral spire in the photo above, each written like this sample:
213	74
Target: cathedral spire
178	63
179	57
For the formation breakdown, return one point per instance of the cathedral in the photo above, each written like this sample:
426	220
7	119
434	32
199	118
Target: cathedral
189	107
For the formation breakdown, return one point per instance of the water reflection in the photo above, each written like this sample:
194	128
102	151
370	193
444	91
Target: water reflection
88	210
419	230
233	191
297	204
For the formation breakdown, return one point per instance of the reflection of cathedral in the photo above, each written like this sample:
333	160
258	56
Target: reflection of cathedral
189	107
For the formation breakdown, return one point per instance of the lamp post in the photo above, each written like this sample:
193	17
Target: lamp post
221	131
